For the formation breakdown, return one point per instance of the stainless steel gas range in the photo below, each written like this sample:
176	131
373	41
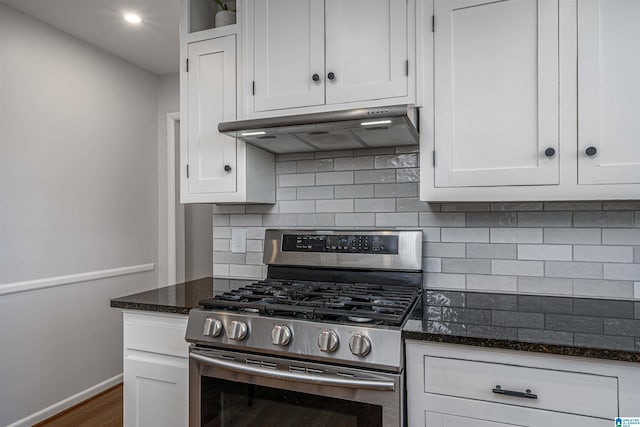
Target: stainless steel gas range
318	342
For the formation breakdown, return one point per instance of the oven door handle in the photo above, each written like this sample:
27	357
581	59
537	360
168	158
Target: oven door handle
295	376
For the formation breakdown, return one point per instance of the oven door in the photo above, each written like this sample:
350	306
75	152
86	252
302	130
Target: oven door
237	389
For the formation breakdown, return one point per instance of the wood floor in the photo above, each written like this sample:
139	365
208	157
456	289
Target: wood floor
102	410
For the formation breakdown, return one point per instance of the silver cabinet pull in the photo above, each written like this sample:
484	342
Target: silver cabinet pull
524	394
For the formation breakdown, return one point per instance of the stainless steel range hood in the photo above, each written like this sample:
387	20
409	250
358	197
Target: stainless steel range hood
335	130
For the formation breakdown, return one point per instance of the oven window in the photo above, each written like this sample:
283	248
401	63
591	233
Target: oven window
226	403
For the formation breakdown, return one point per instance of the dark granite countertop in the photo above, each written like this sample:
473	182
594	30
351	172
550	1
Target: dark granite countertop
595	328
179	298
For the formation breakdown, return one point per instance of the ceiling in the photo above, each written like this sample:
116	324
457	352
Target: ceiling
152	45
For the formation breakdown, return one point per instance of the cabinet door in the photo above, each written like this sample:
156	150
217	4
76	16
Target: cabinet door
609	91
156	391
496	92
366	49
211	95
288	51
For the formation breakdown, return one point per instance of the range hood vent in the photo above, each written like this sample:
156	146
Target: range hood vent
335	130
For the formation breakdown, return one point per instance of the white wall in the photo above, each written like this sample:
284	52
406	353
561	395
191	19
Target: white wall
78	193
168	102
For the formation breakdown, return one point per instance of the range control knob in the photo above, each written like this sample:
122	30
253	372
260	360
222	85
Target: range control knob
328	341
280	335
360	345
212	327
238	330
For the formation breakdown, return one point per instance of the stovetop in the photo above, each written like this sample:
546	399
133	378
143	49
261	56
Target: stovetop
362	303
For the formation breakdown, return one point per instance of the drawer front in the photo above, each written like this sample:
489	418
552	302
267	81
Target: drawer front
563	391
156	333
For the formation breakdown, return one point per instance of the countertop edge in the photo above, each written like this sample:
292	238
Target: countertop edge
591	353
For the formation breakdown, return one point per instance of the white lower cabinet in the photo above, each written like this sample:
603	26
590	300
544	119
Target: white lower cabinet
460	386
156	370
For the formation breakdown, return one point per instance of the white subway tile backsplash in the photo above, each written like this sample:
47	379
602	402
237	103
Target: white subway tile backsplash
572	235
477	282
620	237
603	219
296	179
603	253
516	235
444	281
397	161
466	265
590	249
353	163
465	235
580	270
353	191
317	165
603	288
432	265
375	176
316	220
405	219
334	178
517	268
491	219
297	206
444	250
491	250
338	205
315	193
355	219
442	219
572	206
408	175
544	219
545	252
545	285
246	219
375	205
396	190
622	272
255	245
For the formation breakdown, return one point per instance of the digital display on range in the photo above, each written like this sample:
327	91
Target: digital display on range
341	243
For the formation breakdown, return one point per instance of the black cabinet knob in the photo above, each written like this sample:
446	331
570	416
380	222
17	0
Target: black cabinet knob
315	77
591	151
331	76
227	168
550	152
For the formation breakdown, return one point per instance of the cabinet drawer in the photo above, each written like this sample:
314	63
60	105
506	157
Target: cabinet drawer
156	333
556	390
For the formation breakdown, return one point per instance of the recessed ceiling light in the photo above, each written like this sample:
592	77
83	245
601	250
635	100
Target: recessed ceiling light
132	18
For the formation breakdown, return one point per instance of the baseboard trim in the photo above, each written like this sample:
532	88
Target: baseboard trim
67	403
50	282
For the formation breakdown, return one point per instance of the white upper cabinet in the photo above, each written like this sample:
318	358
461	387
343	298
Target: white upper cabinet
319	55
215	168
533	100
496	92
609	91
366	49
288	53
212	97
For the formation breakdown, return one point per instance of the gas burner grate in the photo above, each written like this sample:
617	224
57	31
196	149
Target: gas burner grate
342	302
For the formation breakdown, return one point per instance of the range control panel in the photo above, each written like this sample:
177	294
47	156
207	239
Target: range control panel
341	243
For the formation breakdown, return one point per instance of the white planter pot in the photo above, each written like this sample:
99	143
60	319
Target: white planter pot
225	17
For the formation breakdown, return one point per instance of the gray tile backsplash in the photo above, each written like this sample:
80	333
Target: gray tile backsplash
587	249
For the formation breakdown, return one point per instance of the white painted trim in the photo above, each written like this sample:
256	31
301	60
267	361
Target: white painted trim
50	282
67	403
172	118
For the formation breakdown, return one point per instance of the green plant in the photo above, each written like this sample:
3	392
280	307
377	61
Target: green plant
222	5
